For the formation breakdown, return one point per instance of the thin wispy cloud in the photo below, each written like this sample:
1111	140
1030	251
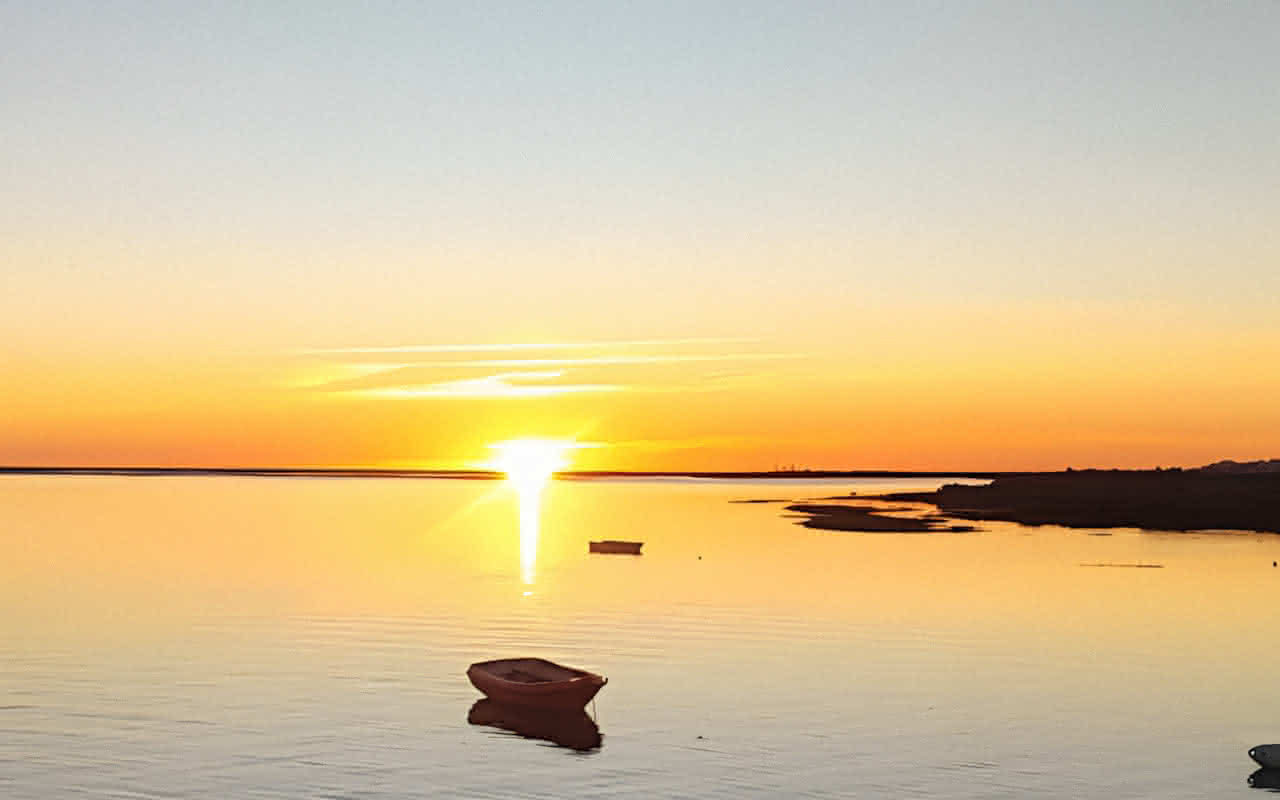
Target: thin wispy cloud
509	384
542	372
321	375
522	346
589	361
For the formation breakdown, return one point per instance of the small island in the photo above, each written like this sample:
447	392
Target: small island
1210	498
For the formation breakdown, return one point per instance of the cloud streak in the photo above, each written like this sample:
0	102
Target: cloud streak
540	373
591	361
509	384
520	346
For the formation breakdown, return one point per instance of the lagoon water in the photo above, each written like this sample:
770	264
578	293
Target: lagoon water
215	637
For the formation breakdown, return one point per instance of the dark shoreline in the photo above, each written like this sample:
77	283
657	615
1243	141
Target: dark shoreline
798	474
1172	500
1168	500
258	472
464	474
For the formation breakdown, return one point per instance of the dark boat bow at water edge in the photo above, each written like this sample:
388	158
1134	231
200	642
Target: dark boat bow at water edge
1266	755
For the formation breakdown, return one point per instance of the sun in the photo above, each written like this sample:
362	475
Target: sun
529	463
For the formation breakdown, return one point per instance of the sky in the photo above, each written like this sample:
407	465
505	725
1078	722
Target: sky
951	235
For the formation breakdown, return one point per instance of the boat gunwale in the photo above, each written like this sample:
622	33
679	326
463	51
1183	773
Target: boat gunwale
568	693
578	677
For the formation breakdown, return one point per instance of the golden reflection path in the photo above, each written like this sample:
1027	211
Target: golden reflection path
529	464
530	499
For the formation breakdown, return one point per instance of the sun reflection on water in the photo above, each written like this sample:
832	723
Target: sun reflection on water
530	508
529	464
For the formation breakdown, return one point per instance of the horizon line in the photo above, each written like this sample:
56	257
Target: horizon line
488	474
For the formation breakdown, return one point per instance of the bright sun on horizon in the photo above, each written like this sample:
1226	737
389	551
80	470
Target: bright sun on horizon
530	463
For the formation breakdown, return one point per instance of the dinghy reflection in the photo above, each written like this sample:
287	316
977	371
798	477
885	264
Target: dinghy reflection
1265	778
572	729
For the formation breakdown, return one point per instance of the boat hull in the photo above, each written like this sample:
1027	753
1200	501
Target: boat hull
614	546
569	692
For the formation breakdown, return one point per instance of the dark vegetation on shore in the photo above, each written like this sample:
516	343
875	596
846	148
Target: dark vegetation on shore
1173	500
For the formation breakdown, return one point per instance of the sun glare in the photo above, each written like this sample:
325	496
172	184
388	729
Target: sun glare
529	463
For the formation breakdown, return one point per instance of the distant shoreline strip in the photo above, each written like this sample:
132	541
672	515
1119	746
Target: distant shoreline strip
292	472
1138	565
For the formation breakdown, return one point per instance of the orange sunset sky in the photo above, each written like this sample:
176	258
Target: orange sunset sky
707	236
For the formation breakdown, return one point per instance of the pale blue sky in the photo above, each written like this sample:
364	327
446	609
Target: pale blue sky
1007	221
633	169
1007	124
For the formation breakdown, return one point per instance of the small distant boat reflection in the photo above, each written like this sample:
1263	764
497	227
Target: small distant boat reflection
1262	779
572	729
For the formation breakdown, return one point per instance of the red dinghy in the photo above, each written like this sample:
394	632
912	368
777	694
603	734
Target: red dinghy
535	682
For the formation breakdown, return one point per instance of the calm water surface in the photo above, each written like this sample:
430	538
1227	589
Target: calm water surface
253	637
